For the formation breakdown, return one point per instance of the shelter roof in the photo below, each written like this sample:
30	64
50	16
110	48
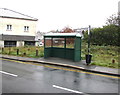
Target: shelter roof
63	35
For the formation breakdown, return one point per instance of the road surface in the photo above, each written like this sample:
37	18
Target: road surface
22	77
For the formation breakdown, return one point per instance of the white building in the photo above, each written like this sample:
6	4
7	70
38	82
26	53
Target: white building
16	29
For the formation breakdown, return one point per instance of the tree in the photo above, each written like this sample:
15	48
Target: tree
67	30
114	19
108	35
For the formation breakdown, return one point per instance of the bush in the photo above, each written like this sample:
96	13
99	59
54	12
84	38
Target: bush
108	35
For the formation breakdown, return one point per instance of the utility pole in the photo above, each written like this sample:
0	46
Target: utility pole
88	56
89	36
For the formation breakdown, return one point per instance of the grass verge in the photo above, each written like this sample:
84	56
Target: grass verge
106	56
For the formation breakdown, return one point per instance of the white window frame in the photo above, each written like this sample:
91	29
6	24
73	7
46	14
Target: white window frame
26	28
9	27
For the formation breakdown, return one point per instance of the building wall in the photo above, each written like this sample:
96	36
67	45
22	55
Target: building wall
1	43
36	43
20	43
17	26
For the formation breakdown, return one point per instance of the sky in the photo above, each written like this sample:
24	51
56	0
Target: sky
57	14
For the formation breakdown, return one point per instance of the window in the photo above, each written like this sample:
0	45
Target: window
9	27
70	42
26	28
30	43
48	42
10	43
58	42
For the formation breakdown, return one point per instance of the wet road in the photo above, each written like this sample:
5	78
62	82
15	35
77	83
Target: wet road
20	77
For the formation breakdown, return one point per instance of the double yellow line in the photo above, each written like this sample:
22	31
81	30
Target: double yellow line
62	68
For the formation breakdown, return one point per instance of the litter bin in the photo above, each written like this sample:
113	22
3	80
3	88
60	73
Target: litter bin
88	59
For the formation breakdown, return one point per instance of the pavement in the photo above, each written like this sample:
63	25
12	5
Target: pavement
67	63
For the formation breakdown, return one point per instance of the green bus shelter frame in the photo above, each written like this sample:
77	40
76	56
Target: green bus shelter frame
66	53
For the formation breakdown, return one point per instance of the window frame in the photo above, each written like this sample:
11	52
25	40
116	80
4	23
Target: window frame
26	28
9	27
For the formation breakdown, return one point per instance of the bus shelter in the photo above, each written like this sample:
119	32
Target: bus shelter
63	45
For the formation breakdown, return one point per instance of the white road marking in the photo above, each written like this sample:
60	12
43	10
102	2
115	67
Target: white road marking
67	89
8	73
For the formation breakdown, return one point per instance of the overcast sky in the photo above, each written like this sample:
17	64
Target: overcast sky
57	14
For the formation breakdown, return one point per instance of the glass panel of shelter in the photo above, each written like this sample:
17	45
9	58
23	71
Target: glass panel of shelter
48	42
70	42
59	42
